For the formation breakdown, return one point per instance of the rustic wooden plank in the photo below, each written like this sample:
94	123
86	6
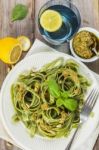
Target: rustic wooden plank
38	5
7	28
96	147
24	27
89	11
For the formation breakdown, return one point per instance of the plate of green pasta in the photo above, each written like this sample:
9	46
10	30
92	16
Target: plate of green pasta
42	98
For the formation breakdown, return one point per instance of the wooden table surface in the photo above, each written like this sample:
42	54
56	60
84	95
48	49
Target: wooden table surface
89	10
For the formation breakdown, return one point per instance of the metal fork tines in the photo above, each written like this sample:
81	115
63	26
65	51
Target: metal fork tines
86	110
89	104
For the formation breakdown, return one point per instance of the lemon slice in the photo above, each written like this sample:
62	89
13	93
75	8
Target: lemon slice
15	54
51	20
25	42
10	50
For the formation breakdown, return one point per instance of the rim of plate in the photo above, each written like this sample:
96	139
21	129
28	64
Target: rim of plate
21	63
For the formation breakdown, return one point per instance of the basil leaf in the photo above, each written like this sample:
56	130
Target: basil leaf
70	104
53	88
65	94
19	12
59	102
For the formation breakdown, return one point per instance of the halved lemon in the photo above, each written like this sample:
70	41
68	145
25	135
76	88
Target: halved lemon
51	20
25	42
10	50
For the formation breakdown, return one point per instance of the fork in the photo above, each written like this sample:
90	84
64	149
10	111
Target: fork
85	112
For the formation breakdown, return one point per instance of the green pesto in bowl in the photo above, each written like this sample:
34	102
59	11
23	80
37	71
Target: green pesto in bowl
83	44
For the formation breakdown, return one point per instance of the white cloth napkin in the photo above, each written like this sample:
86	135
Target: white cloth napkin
38	46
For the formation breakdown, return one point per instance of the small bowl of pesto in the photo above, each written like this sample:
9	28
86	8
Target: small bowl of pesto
85	45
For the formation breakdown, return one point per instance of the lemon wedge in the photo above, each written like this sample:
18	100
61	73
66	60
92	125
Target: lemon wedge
25	42
51	20
15	53
10	50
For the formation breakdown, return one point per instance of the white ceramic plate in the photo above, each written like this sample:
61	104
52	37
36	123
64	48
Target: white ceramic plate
18	132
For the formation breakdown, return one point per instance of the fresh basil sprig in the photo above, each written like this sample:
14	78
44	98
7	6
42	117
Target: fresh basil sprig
53	88
19	12
69	103
62	98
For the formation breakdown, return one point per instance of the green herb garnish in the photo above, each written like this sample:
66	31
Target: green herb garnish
19	12
53	88
69	103
63	98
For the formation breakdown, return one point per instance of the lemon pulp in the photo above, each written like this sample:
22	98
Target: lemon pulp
51	20
15	54
25	42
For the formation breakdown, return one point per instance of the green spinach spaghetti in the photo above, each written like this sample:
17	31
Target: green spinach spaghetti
48	101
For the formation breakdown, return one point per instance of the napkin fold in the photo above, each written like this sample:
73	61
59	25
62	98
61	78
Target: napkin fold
89	144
